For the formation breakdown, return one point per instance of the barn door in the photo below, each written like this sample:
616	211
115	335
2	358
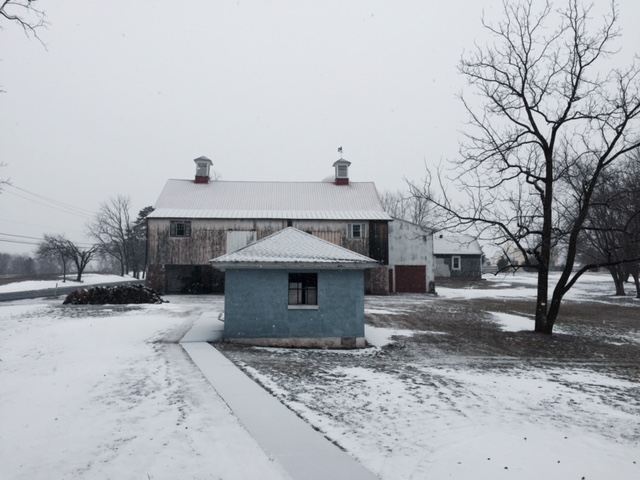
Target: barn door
411	278
236	239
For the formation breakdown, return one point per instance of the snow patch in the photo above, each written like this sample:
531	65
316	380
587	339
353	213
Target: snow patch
379	337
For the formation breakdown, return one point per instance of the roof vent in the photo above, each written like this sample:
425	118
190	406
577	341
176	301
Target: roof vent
203	165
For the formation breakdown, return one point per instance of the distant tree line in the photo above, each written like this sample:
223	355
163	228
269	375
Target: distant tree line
119	246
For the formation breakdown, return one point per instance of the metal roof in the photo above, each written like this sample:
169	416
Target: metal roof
292	247
454	244
269	200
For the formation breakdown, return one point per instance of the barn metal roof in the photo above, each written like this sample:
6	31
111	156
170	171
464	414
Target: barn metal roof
293	247
271	200
455	244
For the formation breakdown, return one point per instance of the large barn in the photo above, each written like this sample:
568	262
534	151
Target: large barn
200	219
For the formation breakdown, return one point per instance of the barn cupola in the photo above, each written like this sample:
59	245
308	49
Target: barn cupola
342	171
203	165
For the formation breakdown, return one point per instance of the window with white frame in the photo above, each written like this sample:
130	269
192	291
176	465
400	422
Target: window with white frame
357	230
456	263
180	228
303	289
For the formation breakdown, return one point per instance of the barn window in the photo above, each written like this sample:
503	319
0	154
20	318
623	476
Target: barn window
357	230
455	262
180	229
303	289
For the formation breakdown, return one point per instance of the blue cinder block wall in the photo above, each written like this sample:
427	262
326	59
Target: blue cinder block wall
256	305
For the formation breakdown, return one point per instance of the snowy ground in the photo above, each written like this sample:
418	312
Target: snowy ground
429	406
88	279
106	392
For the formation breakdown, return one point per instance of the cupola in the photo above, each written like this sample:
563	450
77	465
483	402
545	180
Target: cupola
203	165
342	171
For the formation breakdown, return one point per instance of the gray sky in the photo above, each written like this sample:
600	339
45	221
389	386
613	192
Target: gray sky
127	94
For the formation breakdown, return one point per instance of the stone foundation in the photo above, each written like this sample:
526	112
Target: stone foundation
330	342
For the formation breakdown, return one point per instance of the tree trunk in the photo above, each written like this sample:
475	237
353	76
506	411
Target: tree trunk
636	280
617	274
544	324
541	325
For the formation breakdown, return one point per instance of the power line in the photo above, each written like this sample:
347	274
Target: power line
36	225
18	241
79	210
40	239
20	236
48	206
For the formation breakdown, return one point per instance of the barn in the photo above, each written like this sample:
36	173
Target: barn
199	219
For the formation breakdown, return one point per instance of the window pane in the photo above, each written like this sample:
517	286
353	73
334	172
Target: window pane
303	289
180	229
312	296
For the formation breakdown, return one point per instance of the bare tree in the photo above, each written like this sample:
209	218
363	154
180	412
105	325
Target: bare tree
53	247
80	257
405	206
111	229
548	118
611	235
30	19
65	250
24	14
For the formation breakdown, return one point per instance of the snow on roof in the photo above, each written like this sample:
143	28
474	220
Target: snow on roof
421	227
273	200
292	246
455	244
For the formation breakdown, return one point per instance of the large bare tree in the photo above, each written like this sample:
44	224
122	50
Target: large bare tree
111	227
553	110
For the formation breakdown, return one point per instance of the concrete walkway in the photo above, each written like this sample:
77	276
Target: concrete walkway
304	453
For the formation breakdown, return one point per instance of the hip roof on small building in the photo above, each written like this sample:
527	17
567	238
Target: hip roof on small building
293	248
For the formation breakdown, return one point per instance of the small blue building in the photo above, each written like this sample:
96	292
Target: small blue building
292	289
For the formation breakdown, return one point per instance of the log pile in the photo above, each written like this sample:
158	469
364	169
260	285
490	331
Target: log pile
118	295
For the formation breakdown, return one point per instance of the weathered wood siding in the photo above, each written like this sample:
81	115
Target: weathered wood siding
470	267
208	238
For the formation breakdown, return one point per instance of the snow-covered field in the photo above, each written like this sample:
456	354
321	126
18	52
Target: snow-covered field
88	279
106	392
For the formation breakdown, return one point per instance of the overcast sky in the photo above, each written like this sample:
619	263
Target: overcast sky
126	95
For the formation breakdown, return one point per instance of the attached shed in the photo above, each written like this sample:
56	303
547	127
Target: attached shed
457	256
411	261
293	289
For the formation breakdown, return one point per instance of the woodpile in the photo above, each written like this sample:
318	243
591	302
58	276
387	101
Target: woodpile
118	295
